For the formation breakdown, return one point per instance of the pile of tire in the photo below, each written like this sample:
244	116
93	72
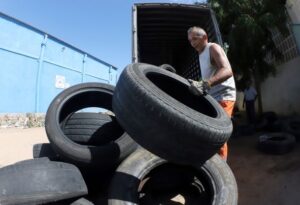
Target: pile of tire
156	144
279	135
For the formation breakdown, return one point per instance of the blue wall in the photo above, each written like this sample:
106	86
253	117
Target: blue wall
35	67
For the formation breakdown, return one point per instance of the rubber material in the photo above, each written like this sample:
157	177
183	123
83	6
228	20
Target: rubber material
91	128
71	100
168	120
40	182
276	143
168	67
214	177
42	150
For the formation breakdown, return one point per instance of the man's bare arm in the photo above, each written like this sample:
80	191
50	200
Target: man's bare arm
220	61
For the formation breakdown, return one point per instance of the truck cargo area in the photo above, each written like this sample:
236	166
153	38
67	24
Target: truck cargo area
160	34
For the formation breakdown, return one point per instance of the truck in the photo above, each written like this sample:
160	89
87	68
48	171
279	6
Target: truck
159	34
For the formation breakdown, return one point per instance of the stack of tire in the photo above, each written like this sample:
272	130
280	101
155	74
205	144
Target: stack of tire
158	146
279	135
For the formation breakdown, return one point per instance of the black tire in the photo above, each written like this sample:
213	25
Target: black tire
276	143
168	67
214	178
71	100
157	110
91	128
40	182
82	201
96	178
277	126
29	161
267	122
44	150
292	126
271	117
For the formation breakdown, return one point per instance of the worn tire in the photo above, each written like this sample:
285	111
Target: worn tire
276	143
29	161
216	177
91	128
168	67
156	109
42	150
82	201
96	178
71	100
292	126
40	182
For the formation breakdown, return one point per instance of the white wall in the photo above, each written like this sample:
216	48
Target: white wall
281	93
293	8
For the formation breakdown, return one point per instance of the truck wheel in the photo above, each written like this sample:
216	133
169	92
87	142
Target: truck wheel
91	128
213	180
157	110
168	67
71	100
276	143
40	182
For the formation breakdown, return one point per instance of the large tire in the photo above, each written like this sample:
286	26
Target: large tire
40	182
276	143
214	178
91	128
71	100
157	110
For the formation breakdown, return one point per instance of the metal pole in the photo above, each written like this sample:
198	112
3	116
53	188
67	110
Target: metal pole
83	68
38	78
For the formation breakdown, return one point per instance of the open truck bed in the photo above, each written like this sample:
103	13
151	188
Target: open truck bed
159	34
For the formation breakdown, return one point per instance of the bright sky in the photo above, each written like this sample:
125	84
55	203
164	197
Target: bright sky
101	28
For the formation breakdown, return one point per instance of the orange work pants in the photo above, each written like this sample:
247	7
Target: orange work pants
228	106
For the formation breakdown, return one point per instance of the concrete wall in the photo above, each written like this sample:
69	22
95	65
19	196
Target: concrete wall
281	93
293	8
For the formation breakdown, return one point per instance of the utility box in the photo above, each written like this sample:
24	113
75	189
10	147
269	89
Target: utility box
159	34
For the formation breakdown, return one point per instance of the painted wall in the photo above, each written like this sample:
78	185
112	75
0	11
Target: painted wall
293	8
35	67
282	93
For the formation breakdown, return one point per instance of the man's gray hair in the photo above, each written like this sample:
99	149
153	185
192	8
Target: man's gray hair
198	30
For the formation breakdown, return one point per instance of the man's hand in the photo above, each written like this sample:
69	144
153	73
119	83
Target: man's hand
199	87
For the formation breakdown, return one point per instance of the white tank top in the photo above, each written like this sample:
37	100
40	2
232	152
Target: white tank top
224	91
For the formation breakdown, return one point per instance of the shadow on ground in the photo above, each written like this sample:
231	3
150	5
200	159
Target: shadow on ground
264	179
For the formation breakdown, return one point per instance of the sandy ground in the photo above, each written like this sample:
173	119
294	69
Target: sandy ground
262	179
16	143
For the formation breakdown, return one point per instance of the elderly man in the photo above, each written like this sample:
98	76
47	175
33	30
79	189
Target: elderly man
216	74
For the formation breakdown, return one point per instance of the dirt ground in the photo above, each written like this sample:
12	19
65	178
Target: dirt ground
16	143
262	179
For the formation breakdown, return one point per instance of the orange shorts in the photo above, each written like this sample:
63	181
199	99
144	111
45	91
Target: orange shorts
228	106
